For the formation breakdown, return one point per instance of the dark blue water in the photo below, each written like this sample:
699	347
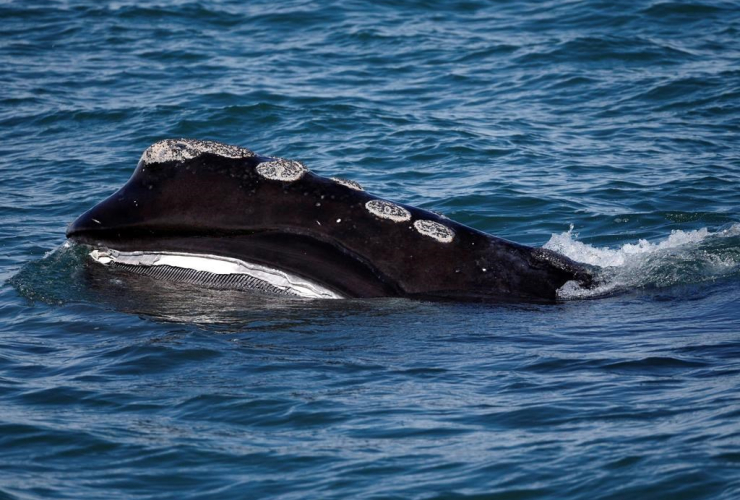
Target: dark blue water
609	131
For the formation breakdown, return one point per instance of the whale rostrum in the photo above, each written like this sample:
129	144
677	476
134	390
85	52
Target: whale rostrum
223	216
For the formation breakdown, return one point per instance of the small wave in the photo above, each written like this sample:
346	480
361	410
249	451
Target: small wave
683	257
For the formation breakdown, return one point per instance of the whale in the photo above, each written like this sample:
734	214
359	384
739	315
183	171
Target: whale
223	216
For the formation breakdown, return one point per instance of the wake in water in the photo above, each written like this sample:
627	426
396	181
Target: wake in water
684	257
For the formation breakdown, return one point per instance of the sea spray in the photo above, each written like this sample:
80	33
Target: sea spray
683	257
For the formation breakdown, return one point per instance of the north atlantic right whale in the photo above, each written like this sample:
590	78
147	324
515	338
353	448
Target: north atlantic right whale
223	216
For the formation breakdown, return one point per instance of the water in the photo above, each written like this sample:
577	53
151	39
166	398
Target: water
607	131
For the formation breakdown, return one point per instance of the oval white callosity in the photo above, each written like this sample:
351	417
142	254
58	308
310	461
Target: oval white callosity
281	170
187	149
435	230
348	183
387	210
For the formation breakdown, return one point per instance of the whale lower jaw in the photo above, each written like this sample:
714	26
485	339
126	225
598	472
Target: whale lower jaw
213	271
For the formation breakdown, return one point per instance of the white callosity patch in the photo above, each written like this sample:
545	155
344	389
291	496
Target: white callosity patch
217	265
279	169
187	149
387	210
348	183
435	230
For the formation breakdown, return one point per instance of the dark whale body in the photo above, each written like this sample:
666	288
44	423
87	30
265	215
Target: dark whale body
201	198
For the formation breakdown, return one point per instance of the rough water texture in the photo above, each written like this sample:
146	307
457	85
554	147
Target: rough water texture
604	130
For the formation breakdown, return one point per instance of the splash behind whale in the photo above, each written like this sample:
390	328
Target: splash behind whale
222	216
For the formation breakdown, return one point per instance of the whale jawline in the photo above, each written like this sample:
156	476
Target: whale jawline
213	271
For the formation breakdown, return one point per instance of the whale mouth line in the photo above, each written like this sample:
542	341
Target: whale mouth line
214	271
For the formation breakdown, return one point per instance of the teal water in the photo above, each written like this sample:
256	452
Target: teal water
606	130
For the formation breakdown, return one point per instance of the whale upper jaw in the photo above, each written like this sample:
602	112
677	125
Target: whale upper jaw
330	271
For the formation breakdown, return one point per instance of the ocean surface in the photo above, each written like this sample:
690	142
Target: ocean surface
608	131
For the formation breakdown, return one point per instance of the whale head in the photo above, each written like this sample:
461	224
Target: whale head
190	202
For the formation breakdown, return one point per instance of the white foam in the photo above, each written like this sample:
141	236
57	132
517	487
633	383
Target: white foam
682	257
